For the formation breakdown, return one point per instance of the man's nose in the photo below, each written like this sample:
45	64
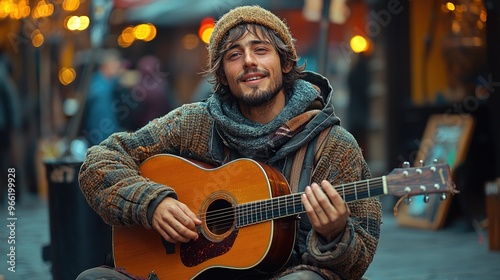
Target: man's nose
249	60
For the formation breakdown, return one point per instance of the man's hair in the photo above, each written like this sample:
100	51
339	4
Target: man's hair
287	57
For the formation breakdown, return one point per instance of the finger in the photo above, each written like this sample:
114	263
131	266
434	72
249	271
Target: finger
183	233
182	227
311	205
183	221
308	207
176	225
191	217
321	197
164	229
335	198
324	209
177	231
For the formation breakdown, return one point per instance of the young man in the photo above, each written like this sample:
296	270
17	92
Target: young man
267	108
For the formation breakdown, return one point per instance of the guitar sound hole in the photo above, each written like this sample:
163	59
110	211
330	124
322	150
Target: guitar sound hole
220	216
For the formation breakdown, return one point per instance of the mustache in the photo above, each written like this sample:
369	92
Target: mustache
262	72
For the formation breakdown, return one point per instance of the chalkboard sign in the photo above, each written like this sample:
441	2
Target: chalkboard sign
446	139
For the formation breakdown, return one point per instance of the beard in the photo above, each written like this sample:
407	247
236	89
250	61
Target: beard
258	97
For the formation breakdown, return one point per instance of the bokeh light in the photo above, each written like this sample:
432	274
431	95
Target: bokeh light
67	75
70	5
359	44
206	29
37	38
190	41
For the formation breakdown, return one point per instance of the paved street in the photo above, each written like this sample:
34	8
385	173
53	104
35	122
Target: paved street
31	234
453	253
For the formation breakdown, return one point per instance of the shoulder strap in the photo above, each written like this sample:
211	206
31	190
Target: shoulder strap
320	144
297	168
298	160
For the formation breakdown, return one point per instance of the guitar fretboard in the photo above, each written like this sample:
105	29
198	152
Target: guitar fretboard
289	205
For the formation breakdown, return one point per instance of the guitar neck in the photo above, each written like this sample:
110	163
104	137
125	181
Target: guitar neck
290	205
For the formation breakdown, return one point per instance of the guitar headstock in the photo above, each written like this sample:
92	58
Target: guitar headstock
422	180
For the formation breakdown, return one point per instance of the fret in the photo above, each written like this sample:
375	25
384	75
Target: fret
280	207
355	191
379	190
283	206
301	208
267	209
290	207
250	213
274	208
244	216
262	209
286	205
237	213
368	188
256	212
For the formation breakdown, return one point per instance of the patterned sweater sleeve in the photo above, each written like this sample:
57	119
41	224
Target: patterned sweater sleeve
342	162
110	178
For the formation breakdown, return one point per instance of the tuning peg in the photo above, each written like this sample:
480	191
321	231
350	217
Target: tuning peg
442	196
406	164
421	162
435	161
407	200
426	198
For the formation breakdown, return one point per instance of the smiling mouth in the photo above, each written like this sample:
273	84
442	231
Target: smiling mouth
252	79
251	76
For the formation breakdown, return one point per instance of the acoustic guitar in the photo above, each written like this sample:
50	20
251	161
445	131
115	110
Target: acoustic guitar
248	216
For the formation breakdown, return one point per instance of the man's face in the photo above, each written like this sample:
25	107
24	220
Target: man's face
252	70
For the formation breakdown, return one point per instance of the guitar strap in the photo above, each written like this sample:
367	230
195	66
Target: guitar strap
304	162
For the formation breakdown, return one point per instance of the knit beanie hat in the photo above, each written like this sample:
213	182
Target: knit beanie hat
248	14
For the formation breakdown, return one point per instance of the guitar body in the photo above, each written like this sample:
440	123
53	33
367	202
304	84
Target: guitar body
222	248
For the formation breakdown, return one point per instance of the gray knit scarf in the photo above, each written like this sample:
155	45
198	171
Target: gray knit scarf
261	141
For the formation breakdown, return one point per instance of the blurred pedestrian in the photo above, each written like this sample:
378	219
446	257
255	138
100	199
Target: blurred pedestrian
154	84
100	118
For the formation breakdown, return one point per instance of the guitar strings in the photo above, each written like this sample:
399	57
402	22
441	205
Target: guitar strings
256	205
255	208
249	213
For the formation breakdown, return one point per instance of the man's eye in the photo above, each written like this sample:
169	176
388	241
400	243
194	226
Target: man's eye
232	56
